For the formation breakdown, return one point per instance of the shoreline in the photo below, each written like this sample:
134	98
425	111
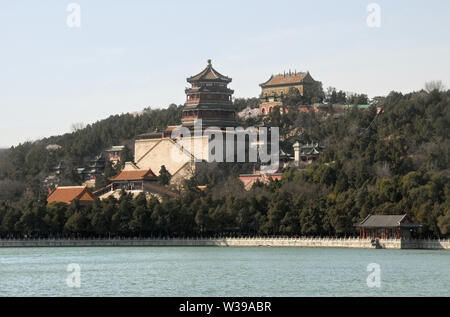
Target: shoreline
356	243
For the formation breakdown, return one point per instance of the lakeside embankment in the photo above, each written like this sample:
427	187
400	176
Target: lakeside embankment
233	242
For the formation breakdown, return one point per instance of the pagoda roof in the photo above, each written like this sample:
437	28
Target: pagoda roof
209	74
313	148
285	79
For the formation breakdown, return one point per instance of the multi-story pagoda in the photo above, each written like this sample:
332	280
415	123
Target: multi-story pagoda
209	99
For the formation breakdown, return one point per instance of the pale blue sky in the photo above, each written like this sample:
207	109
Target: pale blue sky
128	55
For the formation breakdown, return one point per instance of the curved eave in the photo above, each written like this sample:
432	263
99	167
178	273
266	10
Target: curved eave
200	76
217	90
266	82
208	80
210	106
268	85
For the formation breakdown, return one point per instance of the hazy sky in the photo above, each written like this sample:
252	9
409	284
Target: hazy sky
128	55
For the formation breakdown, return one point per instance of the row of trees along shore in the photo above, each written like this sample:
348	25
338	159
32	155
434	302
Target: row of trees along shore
292	207
396	162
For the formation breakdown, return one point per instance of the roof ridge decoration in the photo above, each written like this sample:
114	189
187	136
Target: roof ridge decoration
71	187
285	78
209	71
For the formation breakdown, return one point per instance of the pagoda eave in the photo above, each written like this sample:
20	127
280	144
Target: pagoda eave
209	106
205	80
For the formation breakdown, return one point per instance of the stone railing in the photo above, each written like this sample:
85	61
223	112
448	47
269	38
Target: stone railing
232	242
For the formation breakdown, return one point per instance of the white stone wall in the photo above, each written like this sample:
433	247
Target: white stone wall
198	146
141	147
152	154
235	242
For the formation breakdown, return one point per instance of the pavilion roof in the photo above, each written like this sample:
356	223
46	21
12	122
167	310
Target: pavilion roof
387	221
209	74
134	175
67	194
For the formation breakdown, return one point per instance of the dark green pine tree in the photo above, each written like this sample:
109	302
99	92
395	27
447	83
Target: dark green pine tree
164	176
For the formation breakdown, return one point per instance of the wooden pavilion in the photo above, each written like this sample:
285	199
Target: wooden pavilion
386	227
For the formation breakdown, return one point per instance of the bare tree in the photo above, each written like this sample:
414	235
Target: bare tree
77	126
434	85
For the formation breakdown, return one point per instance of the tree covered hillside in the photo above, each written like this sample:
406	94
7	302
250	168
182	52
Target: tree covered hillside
395	162
29	163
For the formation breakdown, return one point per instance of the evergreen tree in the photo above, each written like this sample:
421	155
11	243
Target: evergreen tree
164	176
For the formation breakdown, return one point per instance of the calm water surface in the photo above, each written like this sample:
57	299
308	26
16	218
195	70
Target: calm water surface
213	271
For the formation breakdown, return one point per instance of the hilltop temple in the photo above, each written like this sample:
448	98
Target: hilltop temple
278	86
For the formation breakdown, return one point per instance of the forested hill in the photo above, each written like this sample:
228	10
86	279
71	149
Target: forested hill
413	132
31	161
393	163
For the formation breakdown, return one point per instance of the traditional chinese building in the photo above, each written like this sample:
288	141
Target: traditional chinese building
257	176
387	227
277	87
67	194
95	168
307	153
113	153
134	181
209	99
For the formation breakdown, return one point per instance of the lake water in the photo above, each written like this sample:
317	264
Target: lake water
205	271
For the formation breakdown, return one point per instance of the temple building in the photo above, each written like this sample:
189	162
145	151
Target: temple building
134	182
209	99
277	87
303	156
67	194
307	153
